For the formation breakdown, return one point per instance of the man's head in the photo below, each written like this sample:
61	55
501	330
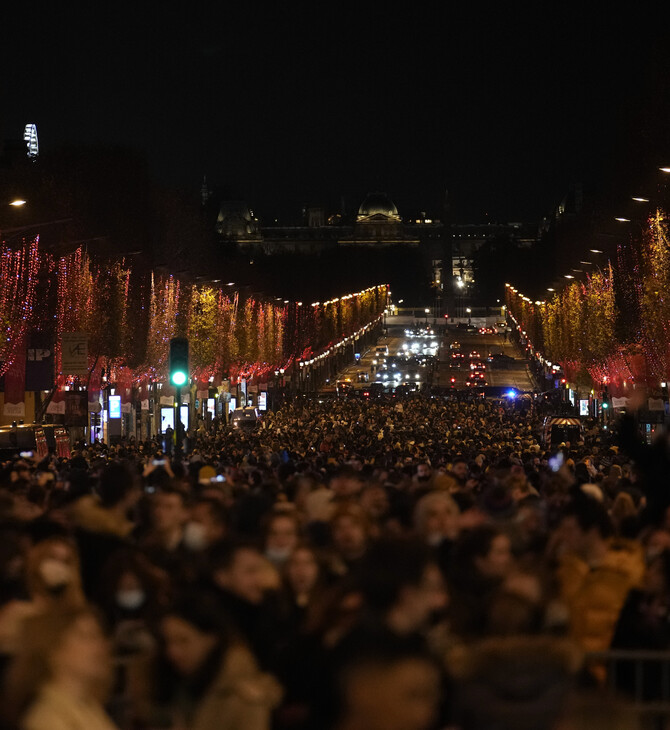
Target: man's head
459	468
387	684
240	569
169	511
423	472
585	523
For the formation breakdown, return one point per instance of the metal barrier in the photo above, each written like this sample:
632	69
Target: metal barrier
642	678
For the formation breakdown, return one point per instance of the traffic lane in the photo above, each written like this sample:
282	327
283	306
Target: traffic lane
515	375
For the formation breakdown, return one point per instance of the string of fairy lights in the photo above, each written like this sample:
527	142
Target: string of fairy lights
130	317
612	328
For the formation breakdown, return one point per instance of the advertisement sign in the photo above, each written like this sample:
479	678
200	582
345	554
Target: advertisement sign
583	407
40	362
262	401
115	406
41	446
62	442
74	353
76	408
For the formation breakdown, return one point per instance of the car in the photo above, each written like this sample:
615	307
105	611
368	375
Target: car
499	360
455	345
474	355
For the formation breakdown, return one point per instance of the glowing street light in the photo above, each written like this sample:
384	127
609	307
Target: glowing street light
641	200
622	220
18	203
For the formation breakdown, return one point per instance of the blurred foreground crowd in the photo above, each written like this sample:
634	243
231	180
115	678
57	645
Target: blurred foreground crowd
405	564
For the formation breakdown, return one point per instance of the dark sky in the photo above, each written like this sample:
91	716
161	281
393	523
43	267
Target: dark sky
292	103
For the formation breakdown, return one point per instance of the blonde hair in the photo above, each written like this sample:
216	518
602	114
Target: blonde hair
41	636
426	503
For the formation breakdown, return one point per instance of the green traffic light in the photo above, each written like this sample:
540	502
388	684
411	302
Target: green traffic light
606	406
178	378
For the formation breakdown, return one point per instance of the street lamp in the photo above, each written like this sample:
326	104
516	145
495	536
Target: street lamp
468	312
18	203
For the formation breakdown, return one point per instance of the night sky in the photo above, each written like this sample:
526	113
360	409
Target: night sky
287	104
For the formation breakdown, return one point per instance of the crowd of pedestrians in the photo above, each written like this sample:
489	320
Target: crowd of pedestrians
406	564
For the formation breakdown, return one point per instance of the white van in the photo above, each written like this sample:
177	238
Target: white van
381	350
245	417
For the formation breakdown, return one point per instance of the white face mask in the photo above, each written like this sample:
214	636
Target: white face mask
55	573
131	599
278	555
195	536
434	538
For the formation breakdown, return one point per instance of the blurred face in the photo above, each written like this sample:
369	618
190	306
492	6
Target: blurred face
419	602
658	541
282	534
423	472
202	515
441	519
83	654
375	501
349	537
460	470
497	563
571	537
345	486
169	512
302	571
403	696
245	576
186	647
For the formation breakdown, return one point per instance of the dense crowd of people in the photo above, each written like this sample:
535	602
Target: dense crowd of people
408	563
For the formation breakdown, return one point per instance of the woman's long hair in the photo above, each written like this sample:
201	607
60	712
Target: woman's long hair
41	635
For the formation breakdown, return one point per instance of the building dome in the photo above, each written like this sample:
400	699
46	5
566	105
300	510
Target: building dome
377	204
235	220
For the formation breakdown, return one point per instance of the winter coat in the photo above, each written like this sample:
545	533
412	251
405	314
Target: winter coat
54	710
515	683
595	595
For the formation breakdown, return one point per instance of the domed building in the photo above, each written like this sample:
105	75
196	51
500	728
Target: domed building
236	222
378	221
377	205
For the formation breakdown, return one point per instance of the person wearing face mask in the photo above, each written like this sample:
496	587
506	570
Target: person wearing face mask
207	524
134	594
281	537
52	580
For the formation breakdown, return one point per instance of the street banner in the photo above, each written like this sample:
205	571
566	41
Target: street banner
41	446
656	404
74	353
145	405
62	442
126	407
15	383
57	403
619	402
167	400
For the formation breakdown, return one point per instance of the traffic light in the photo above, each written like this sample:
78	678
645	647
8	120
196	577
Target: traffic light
179	361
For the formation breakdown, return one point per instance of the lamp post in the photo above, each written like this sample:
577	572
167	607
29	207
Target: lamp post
468	311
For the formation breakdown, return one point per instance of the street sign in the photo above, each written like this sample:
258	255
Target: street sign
74	353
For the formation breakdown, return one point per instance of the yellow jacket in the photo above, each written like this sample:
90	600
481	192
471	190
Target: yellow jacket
595	595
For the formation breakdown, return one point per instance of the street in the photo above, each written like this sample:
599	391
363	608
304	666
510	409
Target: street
513	375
